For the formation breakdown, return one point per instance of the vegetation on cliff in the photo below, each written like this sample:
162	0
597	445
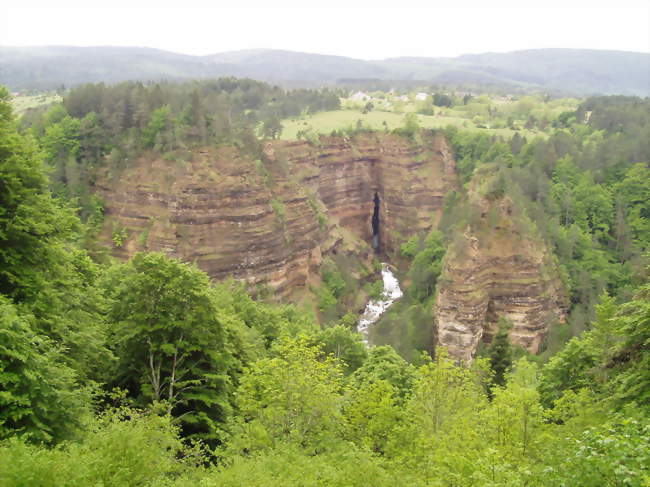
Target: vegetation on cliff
97	124
146	373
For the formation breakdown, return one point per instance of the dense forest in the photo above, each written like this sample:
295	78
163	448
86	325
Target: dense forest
583	190
144	372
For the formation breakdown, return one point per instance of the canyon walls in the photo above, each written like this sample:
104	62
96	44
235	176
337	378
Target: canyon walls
496	267
269	221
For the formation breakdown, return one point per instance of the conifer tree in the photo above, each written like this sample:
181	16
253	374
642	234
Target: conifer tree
500	352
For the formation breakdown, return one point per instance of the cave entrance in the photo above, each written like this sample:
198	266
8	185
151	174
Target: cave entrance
375	225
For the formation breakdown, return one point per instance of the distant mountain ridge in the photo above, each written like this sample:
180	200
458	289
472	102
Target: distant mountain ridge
577	71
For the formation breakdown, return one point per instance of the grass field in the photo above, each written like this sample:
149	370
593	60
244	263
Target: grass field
326	122
22	103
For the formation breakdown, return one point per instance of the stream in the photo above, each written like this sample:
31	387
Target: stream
374	309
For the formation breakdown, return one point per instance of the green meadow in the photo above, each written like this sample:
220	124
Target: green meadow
326	122
21	104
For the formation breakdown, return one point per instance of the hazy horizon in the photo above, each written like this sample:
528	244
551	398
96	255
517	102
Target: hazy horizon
312	53
367	31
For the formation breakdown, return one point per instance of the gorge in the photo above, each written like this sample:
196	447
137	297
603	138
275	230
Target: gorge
271	221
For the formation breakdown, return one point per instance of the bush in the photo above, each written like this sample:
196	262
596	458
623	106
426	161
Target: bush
122	448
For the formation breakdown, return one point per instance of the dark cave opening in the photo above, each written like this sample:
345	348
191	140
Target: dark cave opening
375	226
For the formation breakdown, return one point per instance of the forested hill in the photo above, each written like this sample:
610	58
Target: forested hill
575	71
146	373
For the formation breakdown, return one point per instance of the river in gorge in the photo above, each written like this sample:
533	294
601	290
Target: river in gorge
374	309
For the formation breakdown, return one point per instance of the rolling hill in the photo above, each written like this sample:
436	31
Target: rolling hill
571	71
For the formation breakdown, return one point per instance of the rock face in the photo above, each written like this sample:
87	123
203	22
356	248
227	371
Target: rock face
497	268
269	222
407	180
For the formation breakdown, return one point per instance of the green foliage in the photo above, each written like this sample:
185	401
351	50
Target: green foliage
411	125
333	278
427	266
345	345
407	326
568	370
615	452
372	415
158	133
289	466
574	186
41	398
272	128
40	270
279	209
515	415
409	248
121	448
119	236
32	223
326	300
266	322
375	289
384	364
322	219
339	285
289	403
444	394
500	352
292	396
610	359
633	196
169	339
630	357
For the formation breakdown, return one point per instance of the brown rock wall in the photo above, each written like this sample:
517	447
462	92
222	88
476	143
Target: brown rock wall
495	271
259	222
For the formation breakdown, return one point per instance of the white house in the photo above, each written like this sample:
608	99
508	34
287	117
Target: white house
421	96
360	96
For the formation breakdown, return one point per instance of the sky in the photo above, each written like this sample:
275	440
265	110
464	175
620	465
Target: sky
356	28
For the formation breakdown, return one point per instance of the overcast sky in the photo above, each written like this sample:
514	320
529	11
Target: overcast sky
356	28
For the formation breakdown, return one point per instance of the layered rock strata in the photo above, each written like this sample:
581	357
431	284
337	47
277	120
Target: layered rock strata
495	270
409	179
269	222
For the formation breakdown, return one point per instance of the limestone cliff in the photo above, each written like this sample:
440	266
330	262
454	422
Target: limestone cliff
497	267
270	221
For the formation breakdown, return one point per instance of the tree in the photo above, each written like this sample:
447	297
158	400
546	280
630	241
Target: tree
383	363
500	351
570	369
634	192
32	223
442	100
515	417
39	267
40	396
630	357
170	341
411	124
272	127
293	396
345	345
427	266
92	139
122	447
158	132
443	394
372	414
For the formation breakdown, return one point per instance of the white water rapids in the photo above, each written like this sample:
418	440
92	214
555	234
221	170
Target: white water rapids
374	309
